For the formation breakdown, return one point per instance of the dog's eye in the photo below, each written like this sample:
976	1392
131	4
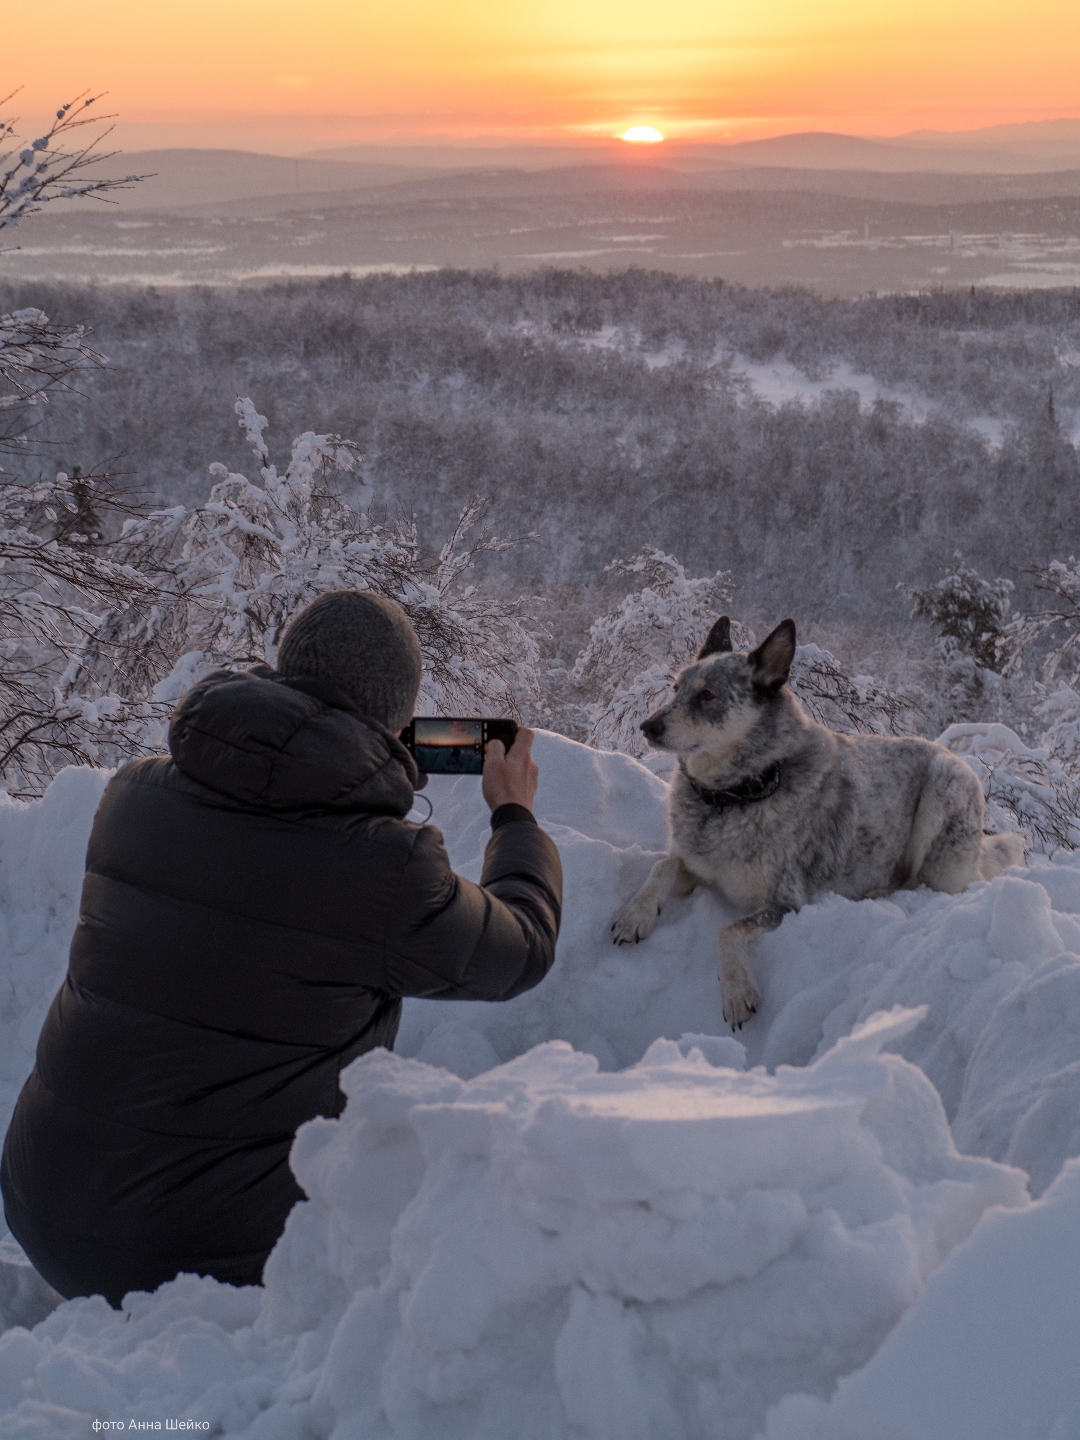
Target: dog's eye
704	695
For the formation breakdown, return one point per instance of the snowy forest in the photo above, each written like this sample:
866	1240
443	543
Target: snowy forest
565	476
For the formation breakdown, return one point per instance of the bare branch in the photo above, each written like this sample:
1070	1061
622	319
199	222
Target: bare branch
52	591
851	704
38	358
1054	631
44	170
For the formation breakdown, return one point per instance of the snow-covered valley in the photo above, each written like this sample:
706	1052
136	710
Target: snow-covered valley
592	1212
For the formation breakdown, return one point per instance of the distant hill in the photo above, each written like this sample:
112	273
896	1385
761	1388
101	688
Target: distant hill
926	187
1050	141
1000	149
817	150
180	178
480	157
1004	161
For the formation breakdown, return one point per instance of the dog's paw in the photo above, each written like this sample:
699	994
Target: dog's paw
740	999
634	922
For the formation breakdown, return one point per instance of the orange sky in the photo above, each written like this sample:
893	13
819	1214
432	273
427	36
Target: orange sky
284	75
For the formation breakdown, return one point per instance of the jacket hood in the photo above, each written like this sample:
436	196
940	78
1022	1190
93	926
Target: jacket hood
289	744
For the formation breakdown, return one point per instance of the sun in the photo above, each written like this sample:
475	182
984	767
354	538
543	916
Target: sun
642	135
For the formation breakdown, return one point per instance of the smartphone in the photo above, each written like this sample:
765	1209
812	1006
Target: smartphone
454	745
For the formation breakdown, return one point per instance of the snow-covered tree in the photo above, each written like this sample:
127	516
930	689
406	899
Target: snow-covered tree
968	613
971	618
632	653
56	576
1027	787
230	574
37	355
1052	633
52	594
38	358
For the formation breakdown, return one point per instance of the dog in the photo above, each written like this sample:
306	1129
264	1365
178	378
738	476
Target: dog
770	808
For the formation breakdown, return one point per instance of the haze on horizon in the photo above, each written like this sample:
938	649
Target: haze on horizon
287	78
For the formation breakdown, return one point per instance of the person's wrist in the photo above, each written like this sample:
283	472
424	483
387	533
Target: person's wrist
505	798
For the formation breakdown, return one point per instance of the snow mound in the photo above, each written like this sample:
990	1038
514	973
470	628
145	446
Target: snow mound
42	855
939	1376
545	1214
550	1251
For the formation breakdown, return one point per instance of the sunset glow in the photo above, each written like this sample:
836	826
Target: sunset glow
642	135
286	75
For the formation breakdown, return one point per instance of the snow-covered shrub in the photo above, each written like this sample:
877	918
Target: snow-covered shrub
38	356
1054	632
54	584
232	572
968	613
958	690
632	652
974	647
853	704
1026	787
1059	713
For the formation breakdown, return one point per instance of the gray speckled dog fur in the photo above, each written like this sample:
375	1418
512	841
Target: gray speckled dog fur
862	815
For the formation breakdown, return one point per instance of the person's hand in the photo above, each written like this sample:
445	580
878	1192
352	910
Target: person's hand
510	776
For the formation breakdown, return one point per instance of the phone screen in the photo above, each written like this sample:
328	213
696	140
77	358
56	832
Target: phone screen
448	747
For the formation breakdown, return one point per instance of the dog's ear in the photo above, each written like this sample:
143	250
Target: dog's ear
771	661
718	638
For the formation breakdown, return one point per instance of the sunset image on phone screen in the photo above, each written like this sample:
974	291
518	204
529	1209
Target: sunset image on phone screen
449	747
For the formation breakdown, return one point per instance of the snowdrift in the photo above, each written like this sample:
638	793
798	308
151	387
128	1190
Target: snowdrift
42	855
547	1219
945	1373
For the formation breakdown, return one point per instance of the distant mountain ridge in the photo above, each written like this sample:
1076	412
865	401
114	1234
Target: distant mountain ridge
179	178
248	181
1029	147
1035	133
818	150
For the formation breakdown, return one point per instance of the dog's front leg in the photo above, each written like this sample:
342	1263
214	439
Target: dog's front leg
738	992
637	918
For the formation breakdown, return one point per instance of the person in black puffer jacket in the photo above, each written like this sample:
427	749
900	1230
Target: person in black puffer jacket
255	907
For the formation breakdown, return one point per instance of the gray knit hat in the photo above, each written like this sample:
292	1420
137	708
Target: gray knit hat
363	644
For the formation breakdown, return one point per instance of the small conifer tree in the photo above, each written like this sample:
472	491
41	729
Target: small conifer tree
969	613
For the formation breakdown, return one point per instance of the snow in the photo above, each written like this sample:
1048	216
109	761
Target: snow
42	852
545	1219
938	1376
780	382
548	1250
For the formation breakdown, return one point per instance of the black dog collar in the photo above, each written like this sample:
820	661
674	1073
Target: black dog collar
757	787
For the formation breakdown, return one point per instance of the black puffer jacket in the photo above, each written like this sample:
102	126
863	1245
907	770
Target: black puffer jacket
253	911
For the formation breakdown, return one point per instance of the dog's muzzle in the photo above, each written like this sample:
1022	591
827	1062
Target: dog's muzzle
653	728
